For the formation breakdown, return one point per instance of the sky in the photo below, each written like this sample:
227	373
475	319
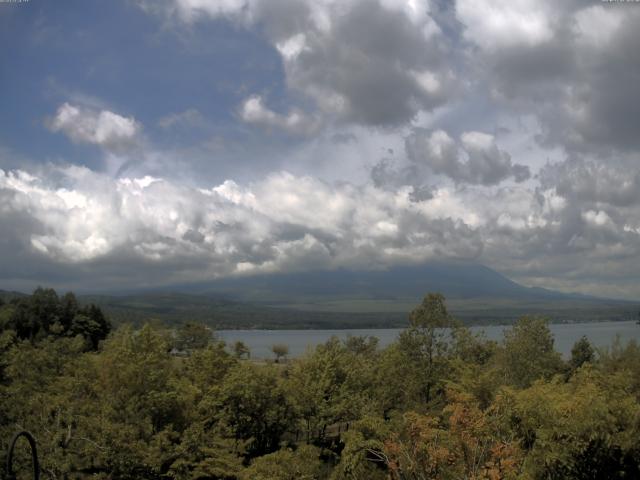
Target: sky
148	143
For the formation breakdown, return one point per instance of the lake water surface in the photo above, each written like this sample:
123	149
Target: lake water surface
600	334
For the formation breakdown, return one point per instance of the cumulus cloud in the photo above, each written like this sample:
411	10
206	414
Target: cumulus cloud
99	127
281	223
572	63
373	62
383	62
503	23
474	159
498	131
295	122
78	221
592	182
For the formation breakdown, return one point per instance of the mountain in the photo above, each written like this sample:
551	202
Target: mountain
461	281
6	295
342	298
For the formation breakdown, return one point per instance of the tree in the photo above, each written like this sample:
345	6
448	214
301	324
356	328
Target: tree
254	407
582	352
192	336
44	310
622	359
43	314
141	403
328	386
280	350
207	368
363	455
528	353
68	309
241	350
361	345
431	313
584	428
286	464
470	444
91	323
424	345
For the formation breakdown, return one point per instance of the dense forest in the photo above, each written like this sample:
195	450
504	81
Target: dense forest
439	403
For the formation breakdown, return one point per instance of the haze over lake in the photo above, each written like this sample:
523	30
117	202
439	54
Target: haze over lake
600	334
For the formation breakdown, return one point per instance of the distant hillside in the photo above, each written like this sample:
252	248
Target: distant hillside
7	296
176	308
397	283
355	299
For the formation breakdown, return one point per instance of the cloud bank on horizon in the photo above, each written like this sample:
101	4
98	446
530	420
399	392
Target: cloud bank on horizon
234	137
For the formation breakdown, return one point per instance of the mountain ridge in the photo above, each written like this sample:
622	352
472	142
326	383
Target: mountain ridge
452	280
353	299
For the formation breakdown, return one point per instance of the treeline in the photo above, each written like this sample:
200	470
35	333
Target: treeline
43	314
438	403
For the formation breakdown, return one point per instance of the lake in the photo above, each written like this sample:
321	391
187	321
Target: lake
600	334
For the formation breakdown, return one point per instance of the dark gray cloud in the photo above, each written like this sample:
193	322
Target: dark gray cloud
377	67
594	182
575	64
474	159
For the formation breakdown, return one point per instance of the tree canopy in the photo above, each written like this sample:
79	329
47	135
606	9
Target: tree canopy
440	402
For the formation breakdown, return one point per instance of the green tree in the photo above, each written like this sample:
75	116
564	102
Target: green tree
207	368
280	350
286	464
361	345
43	314
528	353
44	310
142	403
585	428
192	336
423	348
43	395
68	309
91	328
241	350
253	405
582	352
364	455
622	359
329	385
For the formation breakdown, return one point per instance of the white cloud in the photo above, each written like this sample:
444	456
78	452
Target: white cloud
235	226
597	25
100	127
192	10
597	219
295	122
169	232
496	24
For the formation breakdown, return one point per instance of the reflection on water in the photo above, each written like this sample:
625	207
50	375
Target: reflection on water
600	334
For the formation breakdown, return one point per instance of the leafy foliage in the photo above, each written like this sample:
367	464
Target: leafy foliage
440	402
45	314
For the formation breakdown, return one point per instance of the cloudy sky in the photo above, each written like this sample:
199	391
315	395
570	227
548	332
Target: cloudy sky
154	142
